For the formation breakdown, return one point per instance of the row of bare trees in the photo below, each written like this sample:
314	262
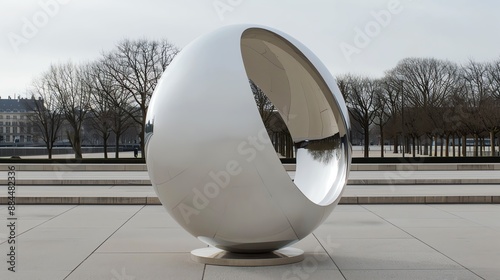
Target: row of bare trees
419	102
276	127
111	93
425	101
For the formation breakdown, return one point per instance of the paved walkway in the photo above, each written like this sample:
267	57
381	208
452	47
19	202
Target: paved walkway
355	242
140	241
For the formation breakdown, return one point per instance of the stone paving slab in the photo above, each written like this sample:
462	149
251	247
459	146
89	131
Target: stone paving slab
355	242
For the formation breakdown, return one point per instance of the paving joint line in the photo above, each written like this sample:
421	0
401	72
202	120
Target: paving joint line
91	253
331	258
64	212
492	228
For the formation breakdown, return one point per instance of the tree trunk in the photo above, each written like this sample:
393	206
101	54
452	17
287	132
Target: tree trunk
141	138
447	152
492	143
367	142
117	145
435	146
78	146
453	144
75	141
105	146
498	145
287	148
414	144
476	145
395	145
283	144
382	141
277	141
464	145
481	146
426	146
441	146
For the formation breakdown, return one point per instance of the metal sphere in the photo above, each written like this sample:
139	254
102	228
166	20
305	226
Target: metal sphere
210	158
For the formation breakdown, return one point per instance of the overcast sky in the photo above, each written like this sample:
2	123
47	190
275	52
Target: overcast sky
358	36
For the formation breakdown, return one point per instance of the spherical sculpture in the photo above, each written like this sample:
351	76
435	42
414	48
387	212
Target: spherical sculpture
209	156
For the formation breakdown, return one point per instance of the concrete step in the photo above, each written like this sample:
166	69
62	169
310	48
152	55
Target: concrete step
71	200
288	167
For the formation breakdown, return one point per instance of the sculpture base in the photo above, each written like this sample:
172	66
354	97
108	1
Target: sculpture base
216	256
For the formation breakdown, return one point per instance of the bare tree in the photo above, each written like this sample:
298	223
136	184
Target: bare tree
493	107
47	118
265	106
385	102
121	121
275	126
360	93
101	109
136	66
74	99
390	96
427	84
494	78
489	107
474	95
490	117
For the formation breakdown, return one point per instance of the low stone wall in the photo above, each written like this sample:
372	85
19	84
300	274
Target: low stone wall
40	151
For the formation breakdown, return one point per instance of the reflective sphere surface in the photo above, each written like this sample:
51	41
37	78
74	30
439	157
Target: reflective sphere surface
209	156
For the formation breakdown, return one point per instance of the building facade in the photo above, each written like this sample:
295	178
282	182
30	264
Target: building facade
15	120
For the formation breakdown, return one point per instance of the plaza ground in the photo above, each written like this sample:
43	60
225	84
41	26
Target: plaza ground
355	242
129	236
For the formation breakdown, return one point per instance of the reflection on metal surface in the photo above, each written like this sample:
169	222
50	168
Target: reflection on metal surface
149	130
210	159
323	150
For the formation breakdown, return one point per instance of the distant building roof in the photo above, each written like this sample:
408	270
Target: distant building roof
21	104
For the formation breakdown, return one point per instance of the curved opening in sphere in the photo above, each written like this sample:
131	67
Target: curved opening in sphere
307	106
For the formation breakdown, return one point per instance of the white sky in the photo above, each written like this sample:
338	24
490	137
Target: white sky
79	30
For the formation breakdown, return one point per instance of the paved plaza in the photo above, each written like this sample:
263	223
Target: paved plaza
356	242
76	238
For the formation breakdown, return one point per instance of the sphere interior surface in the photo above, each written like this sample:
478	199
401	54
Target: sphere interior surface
209	156
306	104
